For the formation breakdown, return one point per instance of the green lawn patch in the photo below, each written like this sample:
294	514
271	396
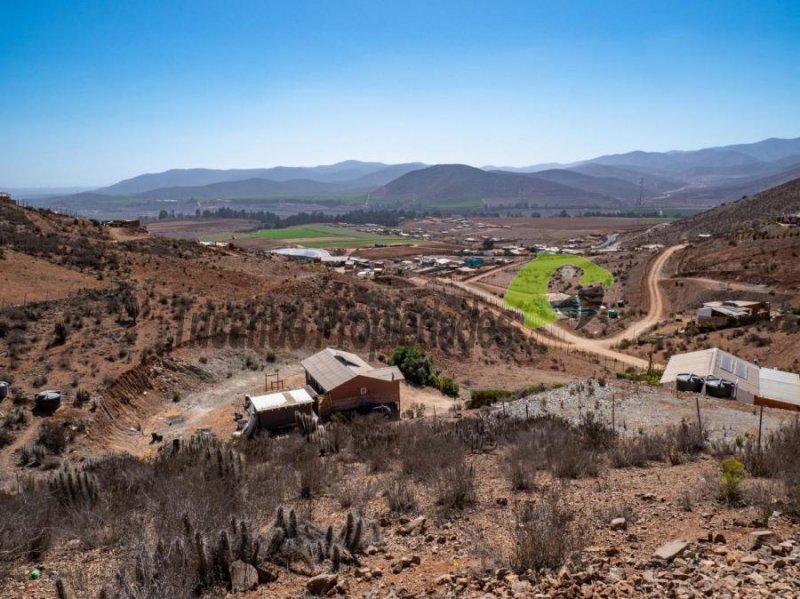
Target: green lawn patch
528	289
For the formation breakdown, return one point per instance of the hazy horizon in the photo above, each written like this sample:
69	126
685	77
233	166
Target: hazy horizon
96	93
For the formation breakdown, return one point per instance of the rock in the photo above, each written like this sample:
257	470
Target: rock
321	584
750	560
501	501
376	573
619	524
779	563
756	538
74	544
266	573
444	579
371	550
244	577
502	573
720	538
671	550
521	587
416	525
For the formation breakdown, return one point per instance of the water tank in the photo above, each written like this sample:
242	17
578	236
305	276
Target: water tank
720	388
689	382
47	401
3	390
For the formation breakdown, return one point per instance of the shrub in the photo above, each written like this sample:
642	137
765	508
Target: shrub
730	481
543	535
479	398
401	496
448	386
455	485
415	365
53	437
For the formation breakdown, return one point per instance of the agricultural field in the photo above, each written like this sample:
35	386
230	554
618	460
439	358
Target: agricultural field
322	236
528	289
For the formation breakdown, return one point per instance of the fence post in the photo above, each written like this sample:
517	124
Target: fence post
699	421
760	421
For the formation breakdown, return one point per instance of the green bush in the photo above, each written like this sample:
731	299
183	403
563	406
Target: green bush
730	482
448	386
415	365
486	397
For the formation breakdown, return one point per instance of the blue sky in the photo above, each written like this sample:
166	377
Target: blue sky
93	92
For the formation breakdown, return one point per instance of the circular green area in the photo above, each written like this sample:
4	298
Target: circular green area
528	289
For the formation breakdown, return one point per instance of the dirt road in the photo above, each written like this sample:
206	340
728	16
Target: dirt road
553	336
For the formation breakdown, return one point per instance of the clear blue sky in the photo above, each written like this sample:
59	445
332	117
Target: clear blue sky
93	92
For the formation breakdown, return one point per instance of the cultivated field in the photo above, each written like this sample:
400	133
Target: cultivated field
318	236
201	228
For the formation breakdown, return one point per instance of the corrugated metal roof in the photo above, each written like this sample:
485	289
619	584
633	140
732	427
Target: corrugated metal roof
333	367
779	386
294	397
714	362
388	373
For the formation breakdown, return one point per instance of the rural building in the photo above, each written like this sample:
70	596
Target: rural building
276	410
778	389
791	219
731	313
722	374
345	382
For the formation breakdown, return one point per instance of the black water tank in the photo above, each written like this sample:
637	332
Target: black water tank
720	388
3	390
47	401
689	382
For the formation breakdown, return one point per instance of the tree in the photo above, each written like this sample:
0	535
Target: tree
488	244
163	214
415	365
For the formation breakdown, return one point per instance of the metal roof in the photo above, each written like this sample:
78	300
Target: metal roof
388	373
303	253
282	399
779	386
333	367
714	362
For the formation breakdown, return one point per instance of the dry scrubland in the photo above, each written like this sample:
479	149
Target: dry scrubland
526	499
426	507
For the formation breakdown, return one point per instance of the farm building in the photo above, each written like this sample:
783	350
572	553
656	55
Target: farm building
731	313
276	410
345	382
715	372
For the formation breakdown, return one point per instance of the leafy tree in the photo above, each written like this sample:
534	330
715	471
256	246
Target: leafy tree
415	365
163	214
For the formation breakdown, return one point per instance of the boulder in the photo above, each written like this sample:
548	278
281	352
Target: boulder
756	538
244	577
321	584
619	524
671	550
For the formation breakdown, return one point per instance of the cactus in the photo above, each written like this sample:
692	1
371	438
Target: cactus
280	520
336	558
292	531
61	589
222	557
202	563
328	540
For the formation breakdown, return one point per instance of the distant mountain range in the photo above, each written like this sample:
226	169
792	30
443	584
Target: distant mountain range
698	179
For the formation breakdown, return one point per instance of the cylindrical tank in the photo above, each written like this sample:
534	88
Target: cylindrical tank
719	388
47	401
3	390
689	382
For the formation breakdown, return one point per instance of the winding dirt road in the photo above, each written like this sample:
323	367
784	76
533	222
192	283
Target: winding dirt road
553	336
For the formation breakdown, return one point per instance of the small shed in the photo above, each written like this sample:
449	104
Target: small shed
276	410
